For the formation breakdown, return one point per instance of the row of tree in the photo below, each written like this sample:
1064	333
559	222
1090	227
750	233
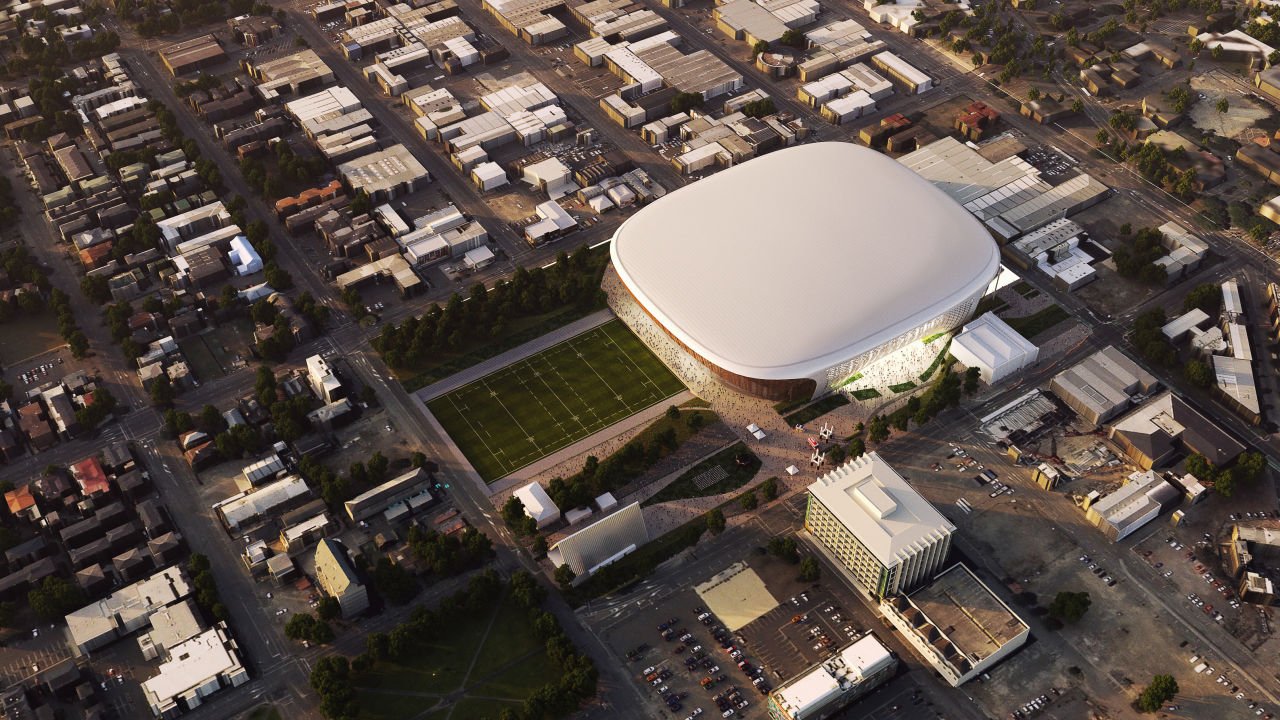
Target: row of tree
572	282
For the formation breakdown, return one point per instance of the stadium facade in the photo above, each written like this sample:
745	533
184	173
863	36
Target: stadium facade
786	275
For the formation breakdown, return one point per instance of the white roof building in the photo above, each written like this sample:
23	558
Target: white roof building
880	509
196	669
537	504
243	508
997	350
1134	504
244	257
833	216
126	610
830	685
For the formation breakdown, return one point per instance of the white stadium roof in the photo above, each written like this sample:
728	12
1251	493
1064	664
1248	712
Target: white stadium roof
802	259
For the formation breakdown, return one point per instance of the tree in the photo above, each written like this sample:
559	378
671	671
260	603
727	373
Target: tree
794	38
328	609
694	421
857	448
1069	607
1077	106
810	570
54	598
749	500
1200	466
162	392
715	521
564	576
685	101
971	377
1161	690
1222	105
761	46
96	288
1198	373
769	488
785	549
304	626
539	547
673	413
395	583
79	345
1206	296
1033	94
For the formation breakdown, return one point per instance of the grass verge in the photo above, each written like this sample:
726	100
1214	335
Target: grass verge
1032	325
902	387
817	410
739	475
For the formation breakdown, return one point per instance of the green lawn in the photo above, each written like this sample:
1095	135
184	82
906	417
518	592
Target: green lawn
903	387
817	410
520	679
1032	325
534	407
683	486
439	665
381	706
866	394
933	366
510	662
509	638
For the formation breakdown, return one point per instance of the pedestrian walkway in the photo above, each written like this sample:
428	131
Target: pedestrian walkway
497	362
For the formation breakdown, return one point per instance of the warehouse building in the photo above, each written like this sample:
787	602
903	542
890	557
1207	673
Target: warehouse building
910	78
238	511
1163	426
1102	385
338	579
191	55
1139	501
957	624
997	350
1008	196
830	686
396	490
384	175
876	527
609	539
294	74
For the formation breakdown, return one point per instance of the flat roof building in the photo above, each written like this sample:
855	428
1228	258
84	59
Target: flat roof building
338	579
728	298
880	530
126	610
244	508
826	688
602	542
195	670
375	500
188	56
537	504
1102	385
386	174
957	624
997	350
1139	501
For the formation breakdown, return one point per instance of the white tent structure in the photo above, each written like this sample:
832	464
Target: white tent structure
993	347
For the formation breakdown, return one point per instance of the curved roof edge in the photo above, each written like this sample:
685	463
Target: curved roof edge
816	365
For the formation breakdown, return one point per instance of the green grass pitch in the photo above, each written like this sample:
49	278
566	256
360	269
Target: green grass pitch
534	407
